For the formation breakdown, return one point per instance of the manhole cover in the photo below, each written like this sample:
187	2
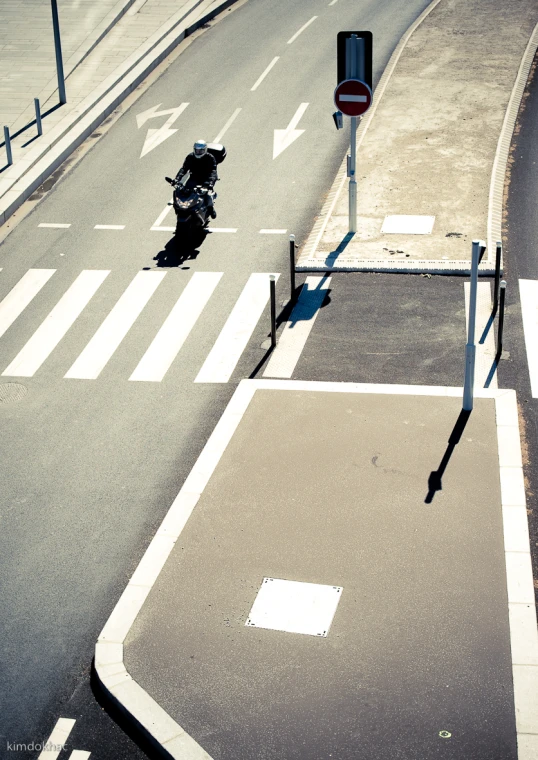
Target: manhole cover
12	392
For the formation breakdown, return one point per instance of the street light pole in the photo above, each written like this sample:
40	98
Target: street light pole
58	49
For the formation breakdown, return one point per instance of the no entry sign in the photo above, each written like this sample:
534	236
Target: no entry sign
353	97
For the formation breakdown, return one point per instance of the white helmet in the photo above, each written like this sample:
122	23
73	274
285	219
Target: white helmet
200	148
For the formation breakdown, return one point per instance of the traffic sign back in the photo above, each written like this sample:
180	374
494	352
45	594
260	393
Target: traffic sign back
367	38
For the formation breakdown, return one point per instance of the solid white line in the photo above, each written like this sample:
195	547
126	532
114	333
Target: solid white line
296	331
528	292
220	135
20	296
57	739
117	324
223	229
301	30
165	346
160	219
162	229
234	336
56	324
109	227
79	754
333	2
262	77
272	232
54	226
485	352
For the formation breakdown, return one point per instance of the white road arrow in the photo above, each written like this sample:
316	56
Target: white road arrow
284	137
155	137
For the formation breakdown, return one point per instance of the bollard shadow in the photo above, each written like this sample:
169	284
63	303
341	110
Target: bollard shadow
435	479
284	315
309	303
488	326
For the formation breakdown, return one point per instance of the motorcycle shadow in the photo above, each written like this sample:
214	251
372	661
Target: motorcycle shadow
175	254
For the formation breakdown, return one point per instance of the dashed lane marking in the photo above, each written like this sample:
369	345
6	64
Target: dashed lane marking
58	738
273	232
528	292
262	76
297	329
115	327
230	121
234	336
109	227
301	30
20	296
54	225
79	754
54	327
160	219
176	328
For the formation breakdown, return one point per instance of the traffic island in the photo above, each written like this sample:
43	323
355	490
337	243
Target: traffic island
337	584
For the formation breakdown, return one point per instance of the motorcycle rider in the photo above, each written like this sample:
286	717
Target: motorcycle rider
202	168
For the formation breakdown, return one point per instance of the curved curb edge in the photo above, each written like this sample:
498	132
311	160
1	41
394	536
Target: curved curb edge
500	163
336	188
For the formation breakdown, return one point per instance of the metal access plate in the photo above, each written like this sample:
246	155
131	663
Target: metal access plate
294	607
408	224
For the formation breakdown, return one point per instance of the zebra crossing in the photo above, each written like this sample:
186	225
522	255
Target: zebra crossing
192	295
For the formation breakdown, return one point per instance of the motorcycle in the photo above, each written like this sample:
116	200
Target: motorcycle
191	207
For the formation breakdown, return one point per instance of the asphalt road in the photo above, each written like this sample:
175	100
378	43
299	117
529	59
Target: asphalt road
90	466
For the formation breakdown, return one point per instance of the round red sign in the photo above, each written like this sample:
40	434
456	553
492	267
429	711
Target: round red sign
353	97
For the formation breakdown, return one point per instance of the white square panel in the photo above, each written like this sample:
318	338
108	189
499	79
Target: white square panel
408	225
294	607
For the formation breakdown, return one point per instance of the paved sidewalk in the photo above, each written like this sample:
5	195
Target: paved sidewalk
104	74
430	147
27	56
396	506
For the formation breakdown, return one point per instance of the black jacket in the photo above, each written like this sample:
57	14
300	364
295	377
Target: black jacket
202	170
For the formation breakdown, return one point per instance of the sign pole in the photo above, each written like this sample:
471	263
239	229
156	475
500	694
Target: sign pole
58	49
354	70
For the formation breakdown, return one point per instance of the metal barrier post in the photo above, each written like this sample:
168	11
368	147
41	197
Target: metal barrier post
38	117
498	254
272	286
292	266
501	318
470	348
58	49
7	140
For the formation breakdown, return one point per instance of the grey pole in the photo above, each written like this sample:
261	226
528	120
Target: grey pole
38	117
354	70
7	140
501	318
272	286
498	254
292	266
470	348
58	48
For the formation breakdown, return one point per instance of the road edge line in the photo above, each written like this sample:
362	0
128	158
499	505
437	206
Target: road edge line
500	162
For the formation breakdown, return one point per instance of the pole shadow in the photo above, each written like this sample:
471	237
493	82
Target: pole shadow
435	479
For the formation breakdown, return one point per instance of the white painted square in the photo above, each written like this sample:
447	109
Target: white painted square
408	224
294	607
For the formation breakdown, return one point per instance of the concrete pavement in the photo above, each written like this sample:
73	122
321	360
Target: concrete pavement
390	503
434	144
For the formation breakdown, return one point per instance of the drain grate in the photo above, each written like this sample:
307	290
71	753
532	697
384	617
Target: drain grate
12	392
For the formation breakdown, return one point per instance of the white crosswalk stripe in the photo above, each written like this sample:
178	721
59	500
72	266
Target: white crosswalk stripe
297	328
160	348
20	296
235	334
108	337
57	739
55	326
176	328
528	292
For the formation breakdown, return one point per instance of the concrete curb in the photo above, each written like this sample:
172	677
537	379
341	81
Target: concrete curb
162	730
500	163
306	261
39	164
